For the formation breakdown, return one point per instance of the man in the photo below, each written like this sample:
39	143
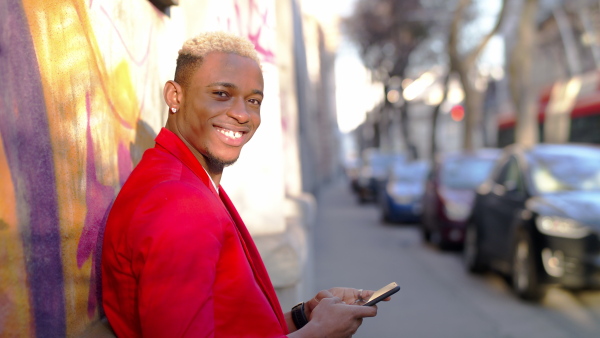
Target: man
177	259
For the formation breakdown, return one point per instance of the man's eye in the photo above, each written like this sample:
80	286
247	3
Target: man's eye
254	101
221	94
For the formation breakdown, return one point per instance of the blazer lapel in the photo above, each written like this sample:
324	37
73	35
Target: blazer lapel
260	272
174	145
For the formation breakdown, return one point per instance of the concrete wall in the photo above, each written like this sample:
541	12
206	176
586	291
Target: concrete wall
80	100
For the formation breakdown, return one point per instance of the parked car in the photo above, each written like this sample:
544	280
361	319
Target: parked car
402	198
372	173
351	170
537	219
449	194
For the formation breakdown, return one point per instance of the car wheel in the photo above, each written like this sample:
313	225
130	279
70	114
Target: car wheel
471	250
385	215
438	240
385	210
524	276
361	198
426	233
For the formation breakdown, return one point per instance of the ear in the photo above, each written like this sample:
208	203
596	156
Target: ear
172	94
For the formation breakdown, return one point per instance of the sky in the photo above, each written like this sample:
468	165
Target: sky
355	94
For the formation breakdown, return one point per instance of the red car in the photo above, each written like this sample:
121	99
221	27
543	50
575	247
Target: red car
450	192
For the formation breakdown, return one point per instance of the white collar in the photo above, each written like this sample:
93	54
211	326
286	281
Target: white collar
211	180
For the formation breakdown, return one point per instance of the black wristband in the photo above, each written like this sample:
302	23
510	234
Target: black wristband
298	316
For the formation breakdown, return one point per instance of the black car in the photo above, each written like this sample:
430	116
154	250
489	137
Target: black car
537	219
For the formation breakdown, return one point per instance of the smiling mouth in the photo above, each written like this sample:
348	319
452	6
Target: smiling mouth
230	133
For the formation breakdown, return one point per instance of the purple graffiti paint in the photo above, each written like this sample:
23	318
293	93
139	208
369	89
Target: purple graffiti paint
26	136
98	199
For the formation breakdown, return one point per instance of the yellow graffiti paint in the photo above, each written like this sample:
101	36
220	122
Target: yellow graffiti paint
13	278
75	82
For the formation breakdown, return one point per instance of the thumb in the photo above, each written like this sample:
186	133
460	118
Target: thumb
311	304
365	311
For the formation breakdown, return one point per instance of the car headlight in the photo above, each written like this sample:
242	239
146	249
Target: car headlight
561	227
457	212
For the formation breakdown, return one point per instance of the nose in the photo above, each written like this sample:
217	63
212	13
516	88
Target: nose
239	111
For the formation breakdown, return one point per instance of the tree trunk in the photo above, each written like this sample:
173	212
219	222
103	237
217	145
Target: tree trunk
472	106
385	143
436	114
523	94
405	130
588	25
463	66
568	39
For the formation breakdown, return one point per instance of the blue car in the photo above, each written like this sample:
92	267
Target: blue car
401	199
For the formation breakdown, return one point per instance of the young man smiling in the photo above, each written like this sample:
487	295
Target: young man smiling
177	259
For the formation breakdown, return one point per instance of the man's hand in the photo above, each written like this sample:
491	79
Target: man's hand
332	318
349	296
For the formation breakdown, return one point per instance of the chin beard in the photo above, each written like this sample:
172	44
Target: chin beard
215	164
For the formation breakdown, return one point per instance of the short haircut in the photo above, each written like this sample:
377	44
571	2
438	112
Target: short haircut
194	50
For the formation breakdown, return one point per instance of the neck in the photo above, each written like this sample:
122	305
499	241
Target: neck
214	171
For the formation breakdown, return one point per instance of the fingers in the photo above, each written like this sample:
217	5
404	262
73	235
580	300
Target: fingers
365	311
357	311
332	300
324	294
311	304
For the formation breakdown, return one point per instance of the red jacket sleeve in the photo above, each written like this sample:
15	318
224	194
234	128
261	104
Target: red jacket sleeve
175	237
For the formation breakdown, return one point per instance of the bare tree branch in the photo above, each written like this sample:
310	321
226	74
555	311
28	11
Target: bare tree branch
476	51
455	26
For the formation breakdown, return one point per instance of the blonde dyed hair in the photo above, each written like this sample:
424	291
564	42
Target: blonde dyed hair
194	50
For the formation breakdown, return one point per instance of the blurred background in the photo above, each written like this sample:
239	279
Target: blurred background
447	145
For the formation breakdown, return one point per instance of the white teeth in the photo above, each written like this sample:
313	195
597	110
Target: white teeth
230	133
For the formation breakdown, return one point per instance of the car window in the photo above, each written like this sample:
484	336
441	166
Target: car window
567	170
465	172
410	172
513	179
501	173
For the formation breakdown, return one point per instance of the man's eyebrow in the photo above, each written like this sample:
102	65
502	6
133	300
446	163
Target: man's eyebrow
222	84
233	86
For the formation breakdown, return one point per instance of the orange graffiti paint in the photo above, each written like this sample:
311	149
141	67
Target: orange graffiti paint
15	300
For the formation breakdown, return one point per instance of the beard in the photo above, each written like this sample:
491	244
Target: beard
215	164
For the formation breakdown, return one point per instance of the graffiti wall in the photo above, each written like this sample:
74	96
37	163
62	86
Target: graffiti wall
80	100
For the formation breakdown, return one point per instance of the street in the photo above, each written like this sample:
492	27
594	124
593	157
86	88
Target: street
437	298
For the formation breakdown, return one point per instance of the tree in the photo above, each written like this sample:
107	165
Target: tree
464	65
520	71
436	114
387	32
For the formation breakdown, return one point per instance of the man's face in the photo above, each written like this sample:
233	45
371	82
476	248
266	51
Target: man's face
220	110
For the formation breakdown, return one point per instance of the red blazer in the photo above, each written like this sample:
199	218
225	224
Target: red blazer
178	261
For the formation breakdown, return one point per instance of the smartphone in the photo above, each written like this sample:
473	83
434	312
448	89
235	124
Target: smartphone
382	294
